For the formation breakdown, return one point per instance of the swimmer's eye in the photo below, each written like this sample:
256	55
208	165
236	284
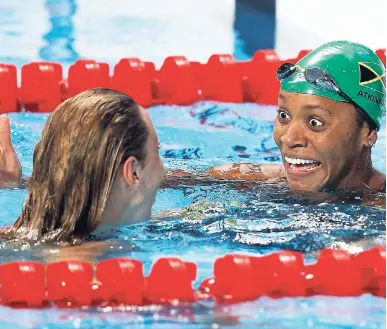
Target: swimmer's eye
282	116
315	123
159	146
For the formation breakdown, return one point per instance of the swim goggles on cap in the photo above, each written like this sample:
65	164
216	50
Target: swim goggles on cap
321	80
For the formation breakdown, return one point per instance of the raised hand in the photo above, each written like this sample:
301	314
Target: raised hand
10	168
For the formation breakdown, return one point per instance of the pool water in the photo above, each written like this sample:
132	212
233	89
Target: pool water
251	218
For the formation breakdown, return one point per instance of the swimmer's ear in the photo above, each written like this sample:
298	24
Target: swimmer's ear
370	136
129	172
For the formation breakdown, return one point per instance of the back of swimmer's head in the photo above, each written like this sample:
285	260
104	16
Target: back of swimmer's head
357	70
82	147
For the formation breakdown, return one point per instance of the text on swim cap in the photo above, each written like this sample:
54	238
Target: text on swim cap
370	97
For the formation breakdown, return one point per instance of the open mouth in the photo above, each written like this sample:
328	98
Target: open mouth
297	165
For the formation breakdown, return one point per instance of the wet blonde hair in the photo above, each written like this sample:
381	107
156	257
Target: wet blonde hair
83	144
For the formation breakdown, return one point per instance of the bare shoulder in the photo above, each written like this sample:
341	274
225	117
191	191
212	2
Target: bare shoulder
377	181
248	171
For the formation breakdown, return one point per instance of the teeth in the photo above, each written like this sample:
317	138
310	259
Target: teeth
299	161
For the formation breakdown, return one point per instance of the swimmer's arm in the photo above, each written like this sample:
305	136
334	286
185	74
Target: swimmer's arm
248	171
228	172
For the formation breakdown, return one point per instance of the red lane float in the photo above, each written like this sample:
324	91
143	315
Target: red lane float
69	283
119	281
40	89
22	283
222	79
8	89
178	81
86	74
170	279
237	278
259	82
132	77
372	266
335	273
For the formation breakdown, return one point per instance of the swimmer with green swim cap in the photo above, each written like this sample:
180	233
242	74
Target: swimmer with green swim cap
330	107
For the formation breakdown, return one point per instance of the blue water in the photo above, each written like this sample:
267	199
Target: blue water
254	218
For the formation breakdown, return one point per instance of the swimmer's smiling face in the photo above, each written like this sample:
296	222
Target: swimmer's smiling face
321	141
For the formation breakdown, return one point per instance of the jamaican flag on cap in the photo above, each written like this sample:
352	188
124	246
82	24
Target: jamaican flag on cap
357	70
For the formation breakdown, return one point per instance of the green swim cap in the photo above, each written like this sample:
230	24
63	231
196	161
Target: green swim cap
357	70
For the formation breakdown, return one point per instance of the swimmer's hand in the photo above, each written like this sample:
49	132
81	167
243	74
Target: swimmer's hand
178	177
10	168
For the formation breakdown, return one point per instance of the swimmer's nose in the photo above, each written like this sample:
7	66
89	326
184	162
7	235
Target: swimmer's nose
294	136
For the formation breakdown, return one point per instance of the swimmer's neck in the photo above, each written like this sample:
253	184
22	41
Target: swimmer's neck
363	176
